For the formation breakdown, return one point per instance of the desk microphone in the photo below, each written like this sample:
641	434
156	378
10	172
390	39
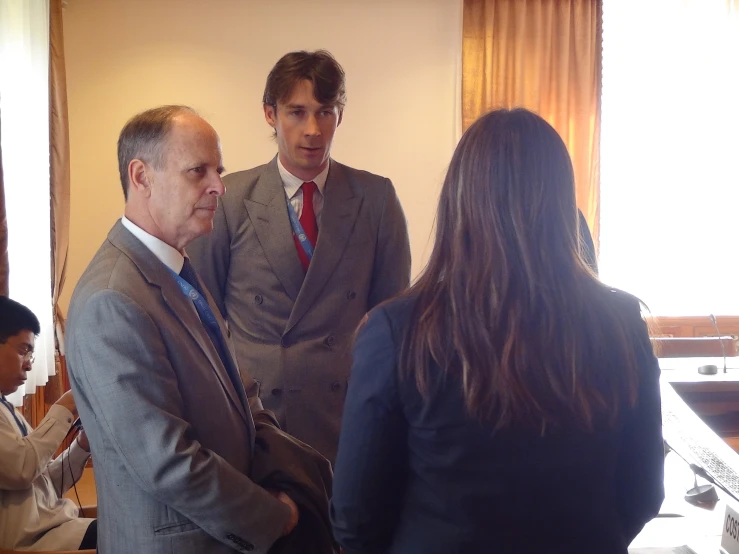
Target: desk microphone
718	334
700	494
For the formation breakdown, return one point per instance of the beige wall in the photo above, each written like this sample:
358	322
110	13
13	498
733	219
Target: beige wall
401	58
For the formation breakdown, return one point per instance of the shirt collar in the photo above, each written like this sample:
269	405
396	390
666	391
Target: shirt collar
292	183
165	253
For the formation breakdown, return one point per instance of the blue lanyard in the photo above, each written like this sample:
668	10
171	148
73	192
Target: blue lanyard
23	428
201	304
299	232
209	321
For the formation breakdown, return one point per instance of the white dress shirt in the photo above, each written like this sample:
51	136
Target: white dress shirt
33	513
165	253
294	193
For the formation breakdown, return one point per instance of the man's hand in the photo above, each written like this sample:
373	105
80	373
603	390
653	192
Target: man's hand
294	513
67	401
83	442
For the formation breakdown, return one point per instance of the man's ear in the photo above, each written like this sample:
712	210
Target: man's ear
138	178
341	116
270	114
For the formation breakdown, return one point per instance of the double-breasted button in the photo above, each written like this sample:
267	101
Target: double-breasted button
335	386
285	342
258	299
329	340
351	295
276	392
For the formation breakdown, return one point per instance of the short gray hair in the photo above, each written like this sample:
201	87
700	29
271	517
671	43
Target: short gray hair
142	138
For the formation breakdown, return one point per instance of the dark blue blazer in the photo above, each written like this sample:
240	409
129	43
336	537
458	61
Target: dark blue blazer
420	477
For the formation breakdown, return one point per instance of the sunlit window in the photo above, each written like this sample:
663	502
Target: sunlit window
670	153
24	116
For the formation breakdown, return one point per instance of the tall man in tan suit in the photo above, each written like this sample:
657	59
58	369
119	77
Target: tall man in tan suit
302	248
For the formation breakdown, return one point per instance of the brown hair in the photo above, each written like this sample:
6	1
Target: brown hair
319	67
506	301
142	138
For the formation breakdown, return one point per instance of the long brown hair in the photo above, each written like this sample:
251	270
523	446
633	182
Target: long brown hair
506	302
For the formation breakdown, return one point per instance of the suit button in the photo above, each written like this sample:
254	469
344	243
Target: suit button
285	342
329	340
351	295
336	386
258	299
276	392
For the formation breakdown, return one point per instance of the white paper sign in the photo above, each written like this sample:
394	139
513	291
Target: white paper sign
730	533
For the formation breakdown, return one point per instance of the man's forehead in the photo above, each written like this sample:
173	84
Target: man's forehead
193	140
310	104
190	127
304	94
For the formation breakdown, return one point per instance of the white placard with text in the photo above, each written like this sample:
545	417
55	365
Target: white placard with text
730	533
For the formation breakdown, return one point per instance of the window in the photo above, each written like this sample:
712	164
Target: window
24	105
670	153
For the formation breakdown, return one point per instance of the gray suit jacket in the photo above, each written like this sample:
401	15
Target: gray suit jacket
172	438
293	331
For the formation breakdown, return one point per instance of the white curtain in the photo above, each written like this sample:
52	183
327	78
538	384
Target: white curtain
670	153
24	102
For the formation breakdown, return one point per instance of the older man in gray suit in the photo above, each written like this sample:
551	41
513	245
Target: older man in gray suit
156	385
302	248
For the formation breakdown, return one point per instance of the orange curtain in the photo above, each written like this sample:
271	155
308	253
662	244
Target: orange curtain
59	153
3	231
543	55
59	186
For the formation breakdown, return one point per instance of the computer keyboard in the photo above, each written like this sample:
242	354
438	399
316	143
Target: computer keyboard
686	434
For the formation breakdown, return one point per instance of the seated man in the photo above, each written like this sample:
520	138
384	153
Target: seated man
33	514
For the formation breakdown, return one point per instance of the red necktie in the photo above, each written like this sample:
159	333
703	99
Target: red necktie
308	221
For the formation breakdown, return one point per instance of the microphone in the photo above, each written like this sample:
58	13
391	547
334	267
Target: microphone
700	494
718	334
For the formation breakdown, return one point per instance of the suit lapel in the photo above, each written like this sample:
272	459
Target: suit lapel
341	204
267	209
185	311
157	274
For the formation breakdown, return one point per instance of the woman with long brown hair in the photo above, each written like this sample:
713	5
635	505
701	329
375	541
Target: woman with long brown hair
509	401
